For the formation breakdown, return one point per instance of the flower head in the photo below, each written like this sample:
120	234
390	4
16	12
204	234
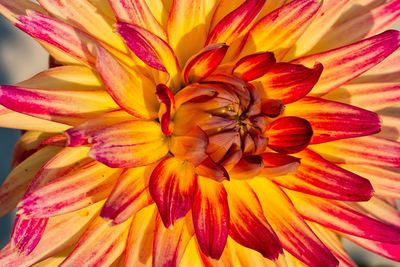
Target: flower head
202	132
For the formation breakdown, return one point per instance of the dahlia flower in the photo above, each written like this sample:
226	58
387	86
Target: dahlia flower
204	133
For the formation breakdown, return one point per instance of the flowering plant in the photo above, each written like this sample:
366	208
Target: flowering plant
204	133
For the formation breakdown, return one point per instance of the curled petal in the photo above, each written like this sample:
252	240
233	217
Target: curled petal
335	120
129	144
208	168
320	177
289	82
289	134
167	108
172	186
129	195
254	66
204	62
236	23
247	168
211	217
346	63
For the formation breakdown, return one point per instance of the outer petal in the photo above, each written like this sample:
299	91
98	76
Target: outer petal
390	251
129	195
290	226
236	23
368	150
319	177
170	244
340	216
211	217
173	186
346	63
288	82
254	66
61	232
12	190
289	134
11	9
333	120
137	12
386	182
278	31
134	93
139	247
68	193
70	107
204	62
129	144
373	96
58	34
248	225
101	244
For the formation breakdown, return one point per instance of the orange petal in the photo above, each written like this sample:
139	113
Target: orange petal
172	185
129	195
254	66
211	217
204	62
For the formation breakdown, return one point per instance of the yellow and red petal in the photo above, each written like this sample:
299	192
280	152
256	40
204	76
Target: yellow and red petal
129	195
342	217
100	244
137	12
11	9
204	62
167	108
210	213
248	226
172	186
60	35
290	226
208	168
289	134
170	243
134	93
279	30
236	23
69	107
347	63
254	66
332	120
71	192
129	144
369	150
288	82
319	177
247	167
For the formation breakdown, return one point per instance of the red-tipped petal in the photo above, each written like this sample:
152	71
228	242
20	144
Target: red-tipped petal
27	233
211	217
208	168
236	23
254	66
347	63
289	82
248	226
129	195
390	251
204	62
70	107
247	168
342	217
172	186
320	177
289	134
333	120
129	144
290	226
